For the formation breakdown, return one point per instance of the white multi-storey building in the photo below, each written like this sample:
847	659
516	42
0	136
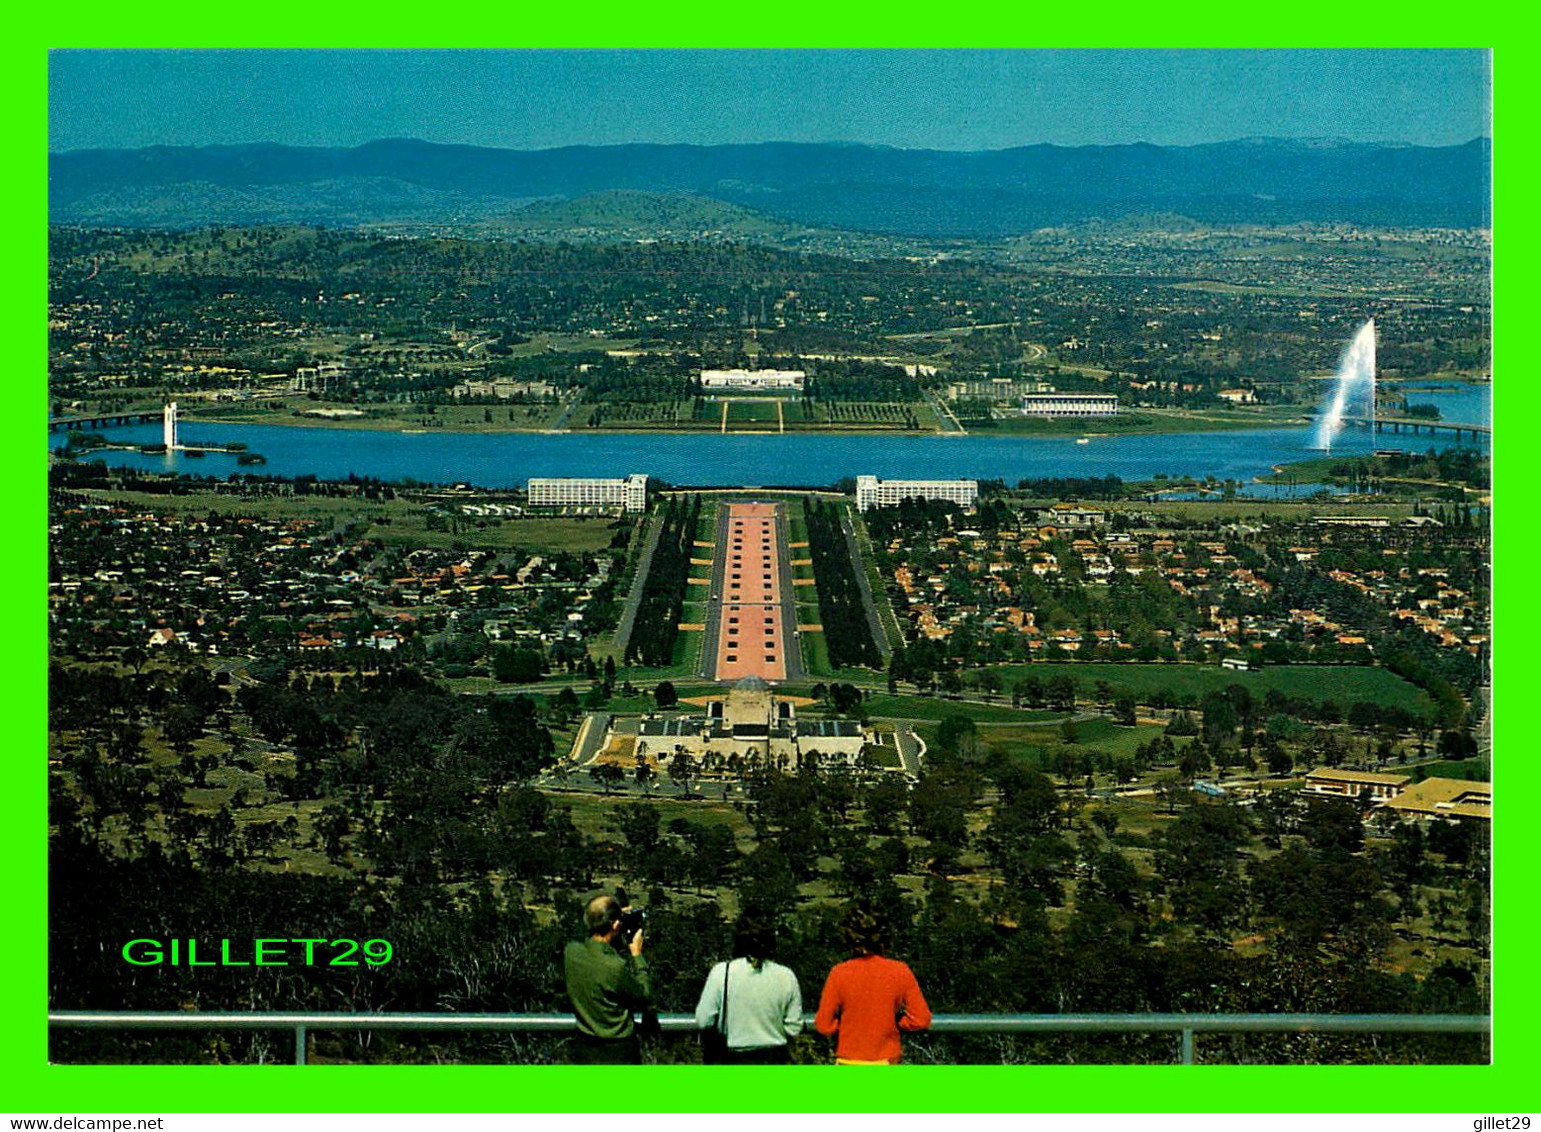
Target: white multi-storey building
752	379
629	493
873	492
1070	405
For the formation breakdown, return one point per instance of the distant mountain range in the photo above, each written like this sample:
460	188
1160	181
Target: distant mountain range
774	187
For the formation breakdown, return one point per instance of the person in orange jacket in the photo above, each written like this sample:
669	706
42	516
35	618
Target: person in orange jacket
869	1000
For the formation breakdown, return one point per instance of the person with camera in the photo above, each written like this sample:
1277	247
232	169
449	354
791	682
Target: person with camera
607	979
750	1006
869	1000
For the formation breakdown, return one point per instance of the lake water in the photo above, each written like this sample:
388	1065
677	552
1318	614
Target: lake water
798	459
1467	404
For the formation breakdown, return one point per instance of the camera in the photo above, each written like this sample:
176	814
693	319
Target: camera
632	919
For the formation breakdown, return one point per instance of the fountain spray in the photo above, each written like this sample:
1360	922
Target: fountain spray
1356	371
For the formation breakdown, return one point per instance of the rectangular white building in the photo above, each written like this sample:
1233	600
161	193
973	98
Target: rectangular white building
1070	405
752	379
629	493
873	492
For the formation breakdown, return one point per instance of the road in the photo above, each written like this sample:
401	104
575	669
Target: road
945	417
560	424
910	749
591	737
634	599
869	604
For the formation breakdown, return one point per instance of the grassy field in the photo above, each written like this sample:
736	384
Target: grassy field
871	415
816	657
595	814
927	707
748	412
743	413
639	415
221	788
259	507
815	654
401	522
300	410
1091	734
1343	685
687	661
1139	421
1469	770
538	535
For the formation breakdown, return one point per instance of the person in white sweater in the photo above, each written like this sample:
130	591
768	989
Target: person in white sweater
755	1002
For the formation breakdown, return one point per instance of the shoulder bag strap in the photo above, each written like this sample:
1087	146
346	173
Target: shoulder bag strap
722	1013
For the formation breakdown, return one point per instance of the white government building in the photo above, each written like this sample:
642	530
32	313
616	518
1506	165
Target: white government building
752	379
629	493
873	492
1070	405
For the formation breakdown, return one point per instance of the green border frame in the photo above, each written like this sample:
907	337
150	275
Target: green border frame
33	1085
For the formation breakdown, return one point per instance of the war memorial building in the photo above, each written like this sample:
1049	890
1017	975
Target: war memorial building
751	722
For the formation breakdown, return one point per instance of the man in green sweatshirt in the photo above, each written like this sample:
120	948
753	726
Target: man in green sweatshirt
606	984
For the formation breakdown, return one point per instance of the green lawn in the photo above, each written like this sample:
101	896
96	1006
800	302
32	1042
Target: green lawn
634	415
927	707
1129	422
266	507
595	813
816	660
399	522
751	412
816	654
538	535
1342	684
687	661
300	410
1468	770
1091	734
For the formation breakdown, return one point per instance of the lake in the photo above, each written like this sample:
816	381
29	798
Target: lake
795	460
1468	404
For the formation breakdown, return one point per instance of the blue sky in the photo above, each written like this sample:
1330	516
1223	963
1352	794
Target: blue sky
912	99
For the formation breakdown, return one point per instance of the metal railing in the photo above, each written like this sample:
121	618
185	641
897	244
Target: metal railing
1188	1026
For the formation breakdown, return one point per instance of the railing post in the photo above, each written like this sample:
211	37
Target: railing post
1187	1047
299	1045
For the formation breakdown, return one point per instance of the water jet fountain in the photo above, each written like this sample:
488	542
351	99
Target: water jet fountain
1355	376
